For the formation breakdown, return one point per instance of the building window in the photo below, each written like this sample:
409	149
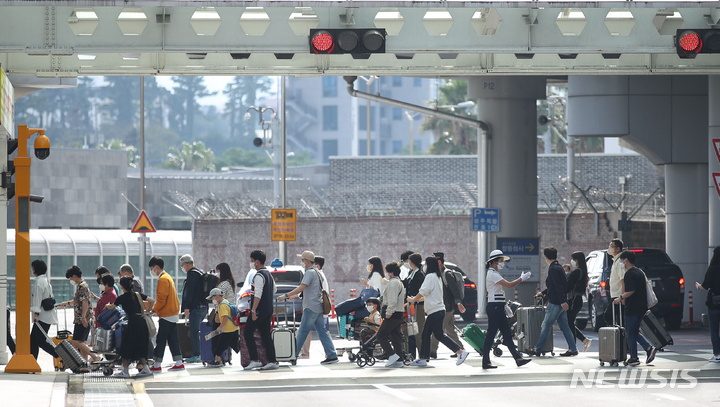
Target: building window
397	146
417	82
397	113
397	81
362	147
362	117
329	86
330	119
329	148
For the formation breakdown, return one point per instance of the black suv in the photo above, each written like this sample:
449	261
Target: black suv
470	299
666	278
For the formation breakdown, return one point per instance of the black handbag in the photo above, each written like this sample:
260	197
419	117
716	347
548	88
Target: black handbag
48	303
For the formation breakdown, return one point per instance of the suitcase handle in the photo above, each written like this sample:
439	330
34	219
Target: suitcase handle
612	304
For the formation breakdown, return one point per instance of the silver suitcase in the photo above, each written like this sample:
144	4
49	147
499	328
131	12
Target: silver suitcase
103	340
529	325
285	338
613	343
654	332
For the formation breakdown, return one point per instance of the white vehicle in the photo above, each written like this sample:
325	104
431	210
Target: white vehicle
287	278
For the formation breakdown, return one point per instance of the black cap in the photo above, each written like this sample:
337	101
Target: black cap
440	256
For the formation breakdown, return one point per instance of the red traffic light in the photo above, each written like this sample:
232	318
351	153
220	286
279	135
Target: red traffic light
358	42
689	41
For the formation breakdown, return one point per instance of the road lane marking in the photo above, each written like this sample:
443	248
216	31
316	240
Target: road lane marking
667	396
59	392
142	398
394	392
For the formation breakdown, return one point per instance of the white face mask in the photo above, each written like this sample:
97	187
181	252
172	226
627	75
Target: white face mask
102	288
370	308
252	265
215	302
501	265
369	268
573	263
73	283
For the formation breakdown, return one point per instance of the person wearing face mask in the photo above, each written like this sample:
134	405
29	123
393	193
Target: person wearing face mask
374	319
82	311
412	287
194	305
167	308
41	289
227	331
393	304
497	320
405	268
617	280
107	294
261	312
375	276
576	284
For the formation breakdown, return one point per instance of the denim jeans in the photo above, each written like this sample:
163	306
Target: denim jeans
315	319
714	318
167	334
632	326
555	313
196	317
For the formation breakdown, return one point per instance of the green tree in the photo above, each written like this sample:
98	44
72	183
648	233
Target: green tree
554	107
190	157
240	157
242	93
451	137
133	159
184	104
297	160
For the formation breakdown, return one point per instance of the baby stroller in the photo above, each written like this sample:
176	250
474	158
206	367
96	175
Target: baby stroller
369	349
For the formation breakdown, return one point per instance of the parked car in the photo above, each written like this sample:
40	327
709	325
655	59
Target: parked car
287	278
666	278
470	299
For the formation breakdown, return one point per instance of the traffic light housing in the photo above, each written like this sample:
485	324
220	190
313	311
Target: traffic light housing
360	42
7	176
689	43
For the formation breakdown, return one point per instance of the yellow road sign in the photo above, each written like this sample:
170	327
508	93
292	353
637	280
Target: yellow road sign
283	225
143	224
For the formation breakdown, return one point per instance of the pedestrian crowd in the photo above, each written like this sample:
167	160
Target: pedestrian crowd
410	315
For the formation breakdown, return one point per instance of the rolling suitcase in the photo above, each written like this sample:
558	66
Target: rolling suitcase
654	332
103	340
206	352
475	336
110	317
61	336
285	338
613	343
183	328
70	356
529	325
245	354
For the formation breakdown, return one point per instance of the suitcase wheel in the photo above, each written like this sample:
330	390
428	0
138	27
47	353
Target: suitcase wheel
294	362
602	363
351	357
497	352
107	371
625	363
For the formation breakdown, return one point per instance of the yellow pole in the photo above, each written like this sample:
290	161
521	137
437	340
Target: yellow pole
22	361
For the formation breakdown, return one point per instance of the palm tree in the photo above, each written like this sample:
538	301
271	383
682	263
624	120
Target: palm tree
190	157
451	137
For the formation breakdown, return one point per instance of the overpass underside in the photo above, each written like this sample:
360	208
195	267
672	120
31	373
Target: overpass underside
429	38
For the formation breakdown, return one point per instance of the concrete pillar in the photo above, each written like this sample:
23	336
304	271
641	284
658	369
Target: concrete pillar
508	106
713	164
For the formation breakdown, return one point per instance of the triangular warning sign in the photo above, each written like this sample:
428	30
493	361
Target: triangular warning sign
143	224
716	178
716	144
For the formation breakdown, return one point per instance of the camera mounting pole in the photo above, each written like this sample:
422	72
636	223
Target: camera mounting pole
23	361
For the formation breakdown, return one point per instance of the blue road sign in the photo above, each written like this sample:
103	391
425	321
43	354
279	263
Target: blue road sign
514	247
625	225
486	220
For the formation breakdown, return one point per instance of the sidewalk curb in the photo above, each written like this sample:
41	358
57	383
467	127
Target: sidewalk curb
75	393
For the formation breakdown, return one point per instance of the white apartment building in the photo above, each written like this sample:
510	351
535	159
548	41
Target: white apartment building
325	120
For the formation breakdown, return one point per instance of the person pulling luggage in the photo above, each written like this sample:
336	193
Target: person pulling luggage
261	313
393	301
497	320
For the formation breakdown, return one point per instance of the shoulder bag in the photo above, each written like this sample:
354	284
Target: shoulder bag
327	307
152	330
651	297
48	304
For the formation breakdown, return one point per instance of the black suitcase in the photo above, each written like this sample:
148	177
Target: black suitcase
654	332
184	336
70	356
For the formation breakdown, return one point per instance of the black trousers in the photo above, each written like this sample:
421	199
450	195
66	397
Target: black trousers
434	327
167	334
498	321
572	313
390	328
38	341
224	342
263	325
10	341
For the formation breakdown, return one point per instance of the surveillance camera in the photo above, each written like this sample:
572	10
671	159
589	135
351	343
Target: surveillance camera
42	147
543	120
258	142
247	116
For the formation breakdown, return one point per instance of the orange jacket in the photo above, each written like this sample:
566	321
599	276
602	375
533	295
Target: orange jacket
166	300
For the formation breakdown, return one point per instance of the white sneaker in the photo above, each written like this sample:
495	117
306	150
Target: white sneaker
715	359
397	364
253	365
419	362
270	366
122	374
392	359
586	344
144	372
461	357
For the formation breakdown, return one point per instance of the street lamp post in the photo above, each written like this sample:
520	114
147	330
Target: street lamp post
368	81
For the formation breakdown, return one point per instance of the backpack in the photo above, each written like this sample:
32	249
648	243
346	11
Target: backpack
210	280
455	278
